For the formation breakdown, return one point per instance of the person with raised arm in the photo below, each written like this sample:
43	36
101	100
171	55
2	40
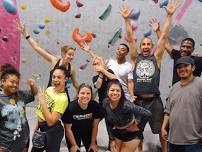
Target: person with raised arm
146	74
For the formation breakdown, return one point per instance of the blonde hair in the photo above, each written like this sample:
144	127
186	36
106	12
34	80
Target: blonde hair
66	48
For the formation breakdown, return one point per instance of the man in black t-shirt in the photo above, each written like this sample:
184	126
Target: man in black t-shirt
186	49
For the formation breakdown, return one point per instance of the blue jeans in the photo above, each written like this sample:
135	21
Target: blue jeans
185	148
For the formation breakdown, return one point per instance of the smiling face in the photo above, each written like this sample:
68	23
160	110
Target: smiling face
84	95
114	93
59	79
10	84
121	52
68	56
186	48
185	71
146	46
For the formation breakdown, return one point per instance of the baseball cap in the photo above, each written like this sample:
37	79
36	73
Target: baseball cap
184	60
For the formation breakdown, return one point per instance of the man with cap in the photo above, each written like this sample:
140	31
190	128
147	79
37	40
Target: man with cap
183	111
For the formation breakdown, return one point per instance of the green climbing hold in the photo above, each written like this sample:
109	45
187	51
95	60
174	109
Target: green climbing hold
106	13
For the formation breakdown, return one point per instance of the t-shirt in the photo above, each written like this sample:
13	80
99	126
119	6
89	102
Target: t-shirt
57	102
123	114
123	73
81	119
175	55
102	91
184	107
14	127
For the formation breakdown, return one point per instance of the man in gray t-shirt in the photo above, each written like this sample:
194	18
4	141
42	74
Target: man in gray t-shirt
183	111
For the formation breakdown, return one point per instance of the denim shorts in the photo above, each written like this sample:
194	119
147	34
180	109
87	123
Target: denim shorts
15	145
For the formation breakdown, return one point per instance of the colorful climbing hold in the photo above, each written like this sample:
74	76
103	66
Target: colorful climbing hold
155	1
60	5
5	38
147	33
81	39
163	3
106	12
24	60
9	6
36	31
41	26
83	66
136	14
36	76
79	4
47	31
78	15
23	6
46	20
182	11
115	37
134	26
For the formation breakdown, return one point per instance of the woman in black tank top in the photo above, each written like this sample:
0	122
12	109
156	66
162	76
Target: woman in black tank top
67	55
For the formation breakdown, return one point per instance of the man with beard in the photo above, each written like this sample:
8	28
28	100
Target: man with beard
183	112
186	49
146	72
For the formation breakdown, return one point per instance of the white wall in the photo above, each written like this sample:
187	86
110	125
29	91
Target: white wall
62	24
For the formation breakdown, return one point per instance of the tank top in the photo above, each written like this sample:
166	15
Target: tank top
146	75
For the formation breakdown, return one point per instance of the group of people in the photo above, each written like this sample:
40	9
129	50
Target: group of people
128	95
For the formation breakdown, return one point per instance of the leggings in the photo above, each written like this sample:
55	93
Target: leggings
84	137
54	135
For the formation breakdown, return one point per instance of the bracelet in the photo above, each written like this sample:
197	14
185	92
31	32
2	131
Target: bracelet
27	37
100	77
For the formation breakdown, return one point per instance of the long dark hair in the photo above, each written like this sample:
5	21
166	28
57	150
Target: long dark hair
84	85
8	69
116	82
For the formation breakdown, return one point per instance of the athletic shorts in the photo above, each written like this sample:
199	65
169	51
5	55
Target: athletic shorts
126	136
155	106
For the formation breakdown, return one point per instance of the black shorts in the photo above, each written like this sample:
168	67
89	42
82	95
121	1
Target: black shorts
155	106
126	136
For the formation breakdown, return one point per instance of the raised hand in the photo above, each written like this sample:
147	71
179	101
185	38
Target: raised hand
31	82
125	11
172	6
154	23
22	28
41	95
86	48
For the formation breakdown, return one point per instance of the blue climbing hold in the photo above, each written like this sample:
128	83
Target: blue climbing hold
9	6
41	26
147	33
163	3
